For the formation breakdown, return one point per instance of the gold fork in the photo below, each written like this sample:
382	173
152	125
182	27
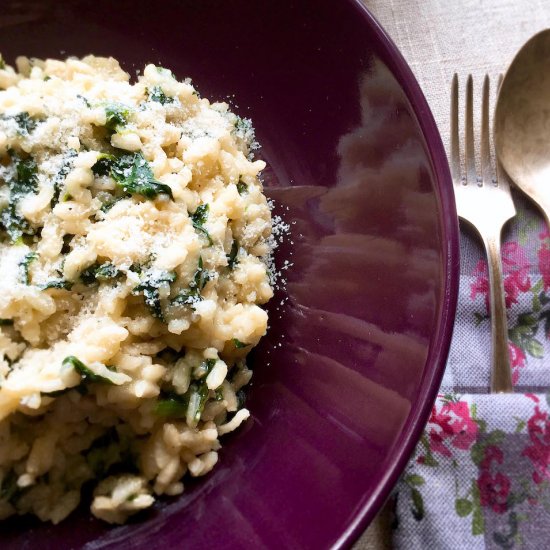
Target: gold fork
484	202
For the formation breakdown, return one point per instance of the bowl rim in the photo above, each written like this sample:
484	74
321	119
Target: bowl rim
437	356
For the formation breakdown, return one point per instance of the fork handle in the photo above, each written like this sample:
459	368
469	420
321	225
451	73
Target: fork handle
501	372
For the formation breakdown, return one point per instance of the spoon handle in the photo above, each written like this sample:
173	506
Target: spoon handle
501	372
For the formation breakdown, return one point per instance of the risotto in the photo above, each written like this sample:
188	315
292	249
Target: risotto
133	238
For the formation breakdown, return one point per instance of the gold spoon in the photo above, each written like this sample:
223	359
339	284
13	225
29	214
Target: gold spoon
522	121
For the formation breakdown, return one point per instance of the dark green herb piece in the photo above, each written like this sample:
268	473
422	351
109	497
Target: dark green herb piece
172	405
15	225
242	187
99	272
6	322
107	271
232	260
86	102
243	126
239	344
87	276
192	295
117	116
24	265
218	394
59	179
200	215
107	205
198	396
198	220
103	164
23	182
2	62
133	175
56	283
156	93
26	179
203	370
86	374
25	123
150	288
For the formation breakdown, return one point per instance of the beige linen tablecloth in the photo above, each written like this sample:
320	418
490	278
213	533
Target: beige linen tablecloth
439	38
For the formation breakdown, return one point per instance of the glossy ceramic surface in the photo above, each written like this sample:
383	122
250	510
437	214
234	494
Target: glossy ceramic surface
345	379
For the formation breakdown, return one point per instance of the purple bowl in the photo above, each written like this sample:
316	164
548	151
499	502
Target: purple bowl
360	332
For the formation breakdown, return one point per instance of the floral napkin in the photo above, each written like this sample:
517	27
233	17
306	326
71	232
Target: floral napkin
480	476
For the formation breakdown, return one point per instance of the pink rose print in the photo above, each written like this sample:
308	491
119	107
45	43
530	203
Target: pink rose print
494	487
515	267
451	426
544	261
492	454
493	490
517	361
538	428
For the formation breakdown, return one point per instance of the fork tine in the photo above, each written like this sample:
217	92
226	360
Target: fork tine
486	171
455	142
470	160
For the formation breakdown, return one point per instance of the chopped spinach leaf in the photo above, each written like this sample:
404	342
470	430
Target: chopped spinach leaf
86	373
24	266
107	271
156	93
26	180
172	404
203	370
201	214
56	283
15	225
59	179
133	175
232	260
191	403
6	322
25	123
198	396
198	220
99	272
150	288
103	164
108	204
242	187
239	344
192	295
86	102
117	116
23	182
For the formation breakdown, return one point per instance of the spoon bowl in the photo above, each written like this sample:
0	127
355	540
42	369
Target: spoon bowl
522	121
